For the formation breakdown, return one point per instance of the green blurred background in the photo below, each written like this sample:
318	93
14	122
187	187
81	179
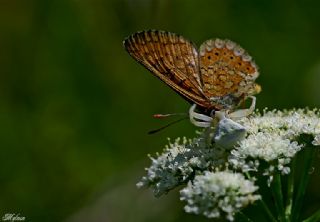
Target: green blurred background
75	108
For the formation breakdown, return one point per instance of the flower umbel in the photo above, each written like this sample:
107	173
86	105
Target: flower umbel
217	194
219	175
273	137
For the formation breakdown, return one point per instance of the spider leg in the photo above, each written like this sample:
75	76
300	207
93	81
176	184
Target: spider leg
198	119
244	112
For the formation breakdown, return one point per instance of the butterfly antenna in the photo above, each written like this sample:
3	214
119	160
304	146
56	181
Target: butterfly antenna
160	116
169	124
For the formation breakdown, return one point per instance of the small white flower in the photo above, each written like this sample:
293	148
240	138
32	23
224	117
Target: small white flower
218	194
316	141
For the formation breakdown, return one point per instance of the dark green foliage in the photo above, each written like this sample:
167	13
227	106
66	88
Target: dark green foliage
75	109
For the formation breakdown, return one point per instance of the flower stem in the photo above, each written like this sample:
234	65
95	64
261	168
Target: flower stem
264	205
303	182
313	218
267	211
244	217
290	188
278	197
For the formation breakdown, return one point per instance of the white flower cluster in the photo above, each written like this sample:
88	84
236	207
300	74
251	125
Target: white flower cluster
179	162
269	143
218	194
274	138
290	123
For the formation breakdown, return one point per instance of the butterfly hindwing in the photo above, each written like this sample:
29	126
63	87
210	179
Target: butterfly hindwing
227	71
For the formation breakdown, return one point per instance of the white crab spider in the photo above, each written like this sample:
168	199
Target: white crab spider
202	120
227	132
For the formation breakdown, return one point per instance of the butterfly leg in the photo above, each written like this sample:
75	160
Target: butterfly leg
198	119
244	112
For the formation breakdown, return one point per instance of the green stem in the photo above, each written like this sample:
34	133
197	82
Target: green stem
313	218
244	217
267	211
276	189
264	205
303	182
290	191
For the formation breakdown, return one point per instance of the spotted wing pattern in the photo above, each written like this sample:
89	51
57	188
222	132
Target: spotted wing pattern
171	58
228	73
218	76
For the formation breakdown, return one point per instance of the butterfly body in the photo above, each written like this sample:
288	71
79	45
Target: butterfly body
218	76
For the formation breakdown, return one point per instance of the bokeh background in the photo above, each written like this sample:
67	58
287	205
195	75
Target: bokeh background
75	109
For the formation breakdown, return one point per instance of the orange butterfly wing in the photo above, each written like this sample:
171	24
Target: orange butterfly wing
228	73
218	76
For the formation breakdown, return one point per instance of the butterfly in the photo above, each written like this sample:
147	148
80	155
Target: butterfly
219	75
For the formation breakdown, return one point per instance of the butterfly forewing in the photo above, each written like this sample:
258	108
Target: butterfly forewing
171	58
